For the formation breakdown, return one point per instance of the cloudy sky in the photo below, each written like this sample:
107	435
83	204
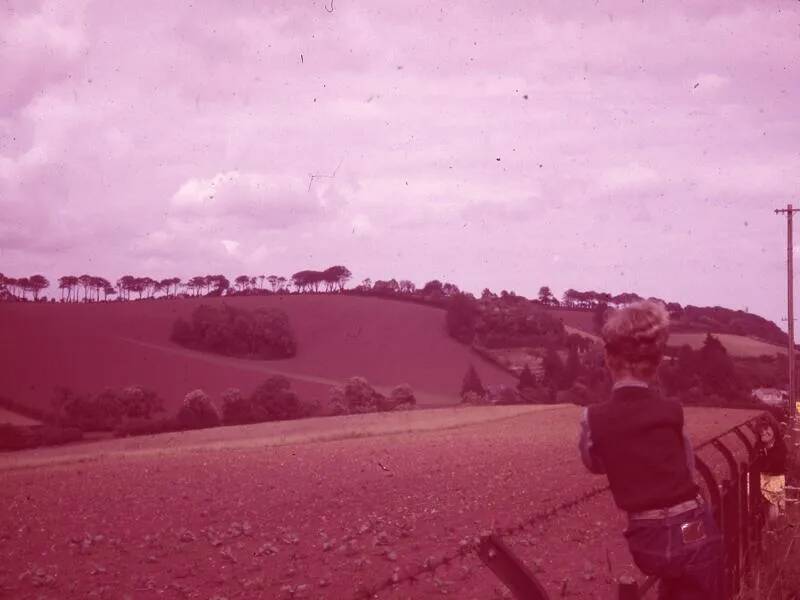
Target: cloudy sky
617	146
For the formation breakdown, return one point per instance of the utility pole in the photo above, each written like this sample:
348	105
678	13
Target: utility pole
793	463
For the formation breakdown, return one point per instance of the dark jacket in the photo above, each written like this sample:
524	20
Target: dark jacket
636	438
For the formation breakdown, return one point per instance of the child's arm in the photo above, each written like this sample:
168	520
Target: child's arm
687	446
590	460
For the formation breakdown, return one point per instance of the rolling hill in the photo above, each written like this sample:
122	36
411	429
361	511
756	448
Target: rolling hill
88	347
738	346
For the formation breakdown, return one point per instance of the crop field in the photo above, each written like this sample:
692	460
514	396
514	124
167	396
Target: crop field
314	509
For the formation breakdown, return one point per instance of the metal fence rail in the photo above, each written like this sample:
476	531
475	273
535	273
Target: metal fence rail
736	504
738	510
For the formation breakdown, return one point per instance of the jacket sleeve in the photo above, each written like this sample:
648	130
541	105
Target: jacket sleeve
586	447
687	446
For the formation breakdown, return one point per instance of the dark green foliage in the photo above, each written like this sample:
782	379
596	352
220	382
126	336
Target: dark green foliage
716	367
599	314
572	368
462	313
472	383
15	437
553	369
516	323
527	380
106	410
197	412
273	400
262	333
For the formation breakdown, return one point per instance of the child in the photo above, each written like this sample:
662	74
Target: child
637	439
771	451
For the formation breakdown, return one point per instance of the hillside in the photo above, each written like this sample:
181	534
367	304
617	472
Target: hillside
256	512
738	346
88	347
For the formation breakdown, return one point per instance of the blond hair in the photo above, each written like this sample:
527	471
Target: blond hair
635	338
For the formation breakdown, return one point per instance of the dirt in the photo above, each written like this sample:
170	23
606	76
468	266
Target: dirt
318	519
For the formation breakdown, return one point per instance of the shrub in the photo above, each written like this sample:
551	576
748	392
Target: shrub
274	400
236	409
472	383
358	396
462	313
15	437
402	396
197	412
473	398
105	411
262	333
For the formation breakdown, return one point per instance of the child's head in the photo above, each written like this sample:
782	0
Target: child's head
635	338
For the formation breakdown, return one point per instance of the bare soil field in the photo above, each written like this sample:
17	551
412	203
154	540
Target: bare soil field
341	507
88	347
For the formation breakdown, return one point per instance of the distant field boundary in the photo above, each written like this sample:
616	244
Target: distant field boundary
275	433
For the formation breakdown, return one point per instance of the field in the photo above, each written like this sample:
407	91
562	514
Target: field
90	347
738	346
314	509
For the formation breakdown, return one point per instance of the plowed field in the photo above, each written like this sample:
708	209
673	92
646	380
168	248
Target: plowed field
315	516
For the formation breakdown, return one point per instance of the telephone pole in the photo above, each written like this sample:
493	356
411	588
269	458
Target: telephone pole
793	464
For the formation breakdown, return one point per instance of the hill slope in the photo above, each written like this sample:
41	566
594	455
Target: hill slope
738	346
88	347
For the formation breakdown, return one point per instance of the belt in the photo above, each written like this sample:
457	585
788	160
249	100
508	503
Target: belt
670	511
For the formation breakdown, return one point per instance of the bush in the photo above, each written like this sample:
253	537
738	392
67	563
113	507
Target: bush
197	412
358	396
236	409
274	400
107	410
15	437
402	397
472	383
262	333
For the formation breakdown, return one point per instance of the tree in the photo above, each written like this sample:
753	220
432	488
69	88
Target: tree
462	313
433	287
572	369
86	282
197	411
274	400
599	316
337	275
716	368
242	281
545	295
472	383
273	282
37	284
553	368
67	282
527	379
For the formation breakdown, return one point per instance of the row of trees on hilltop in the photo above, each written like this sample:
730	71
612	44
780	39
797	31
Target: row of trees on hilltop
16	288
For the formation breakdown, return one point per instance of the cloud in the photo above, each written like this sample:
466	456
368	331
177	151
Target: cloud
267	201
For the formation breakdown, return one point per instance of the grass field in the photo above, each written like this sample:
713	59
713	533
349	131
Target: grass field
88	347
737	345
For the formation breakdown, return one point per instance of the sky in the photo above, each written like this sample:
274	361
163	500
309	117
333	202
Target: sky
617	146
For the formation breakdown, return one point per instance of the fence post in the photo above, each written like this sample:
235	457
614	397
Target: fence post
496	555
627	588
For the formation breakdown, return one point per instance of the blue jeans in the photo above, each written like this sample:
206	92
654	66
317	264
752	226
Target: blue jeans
683	551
